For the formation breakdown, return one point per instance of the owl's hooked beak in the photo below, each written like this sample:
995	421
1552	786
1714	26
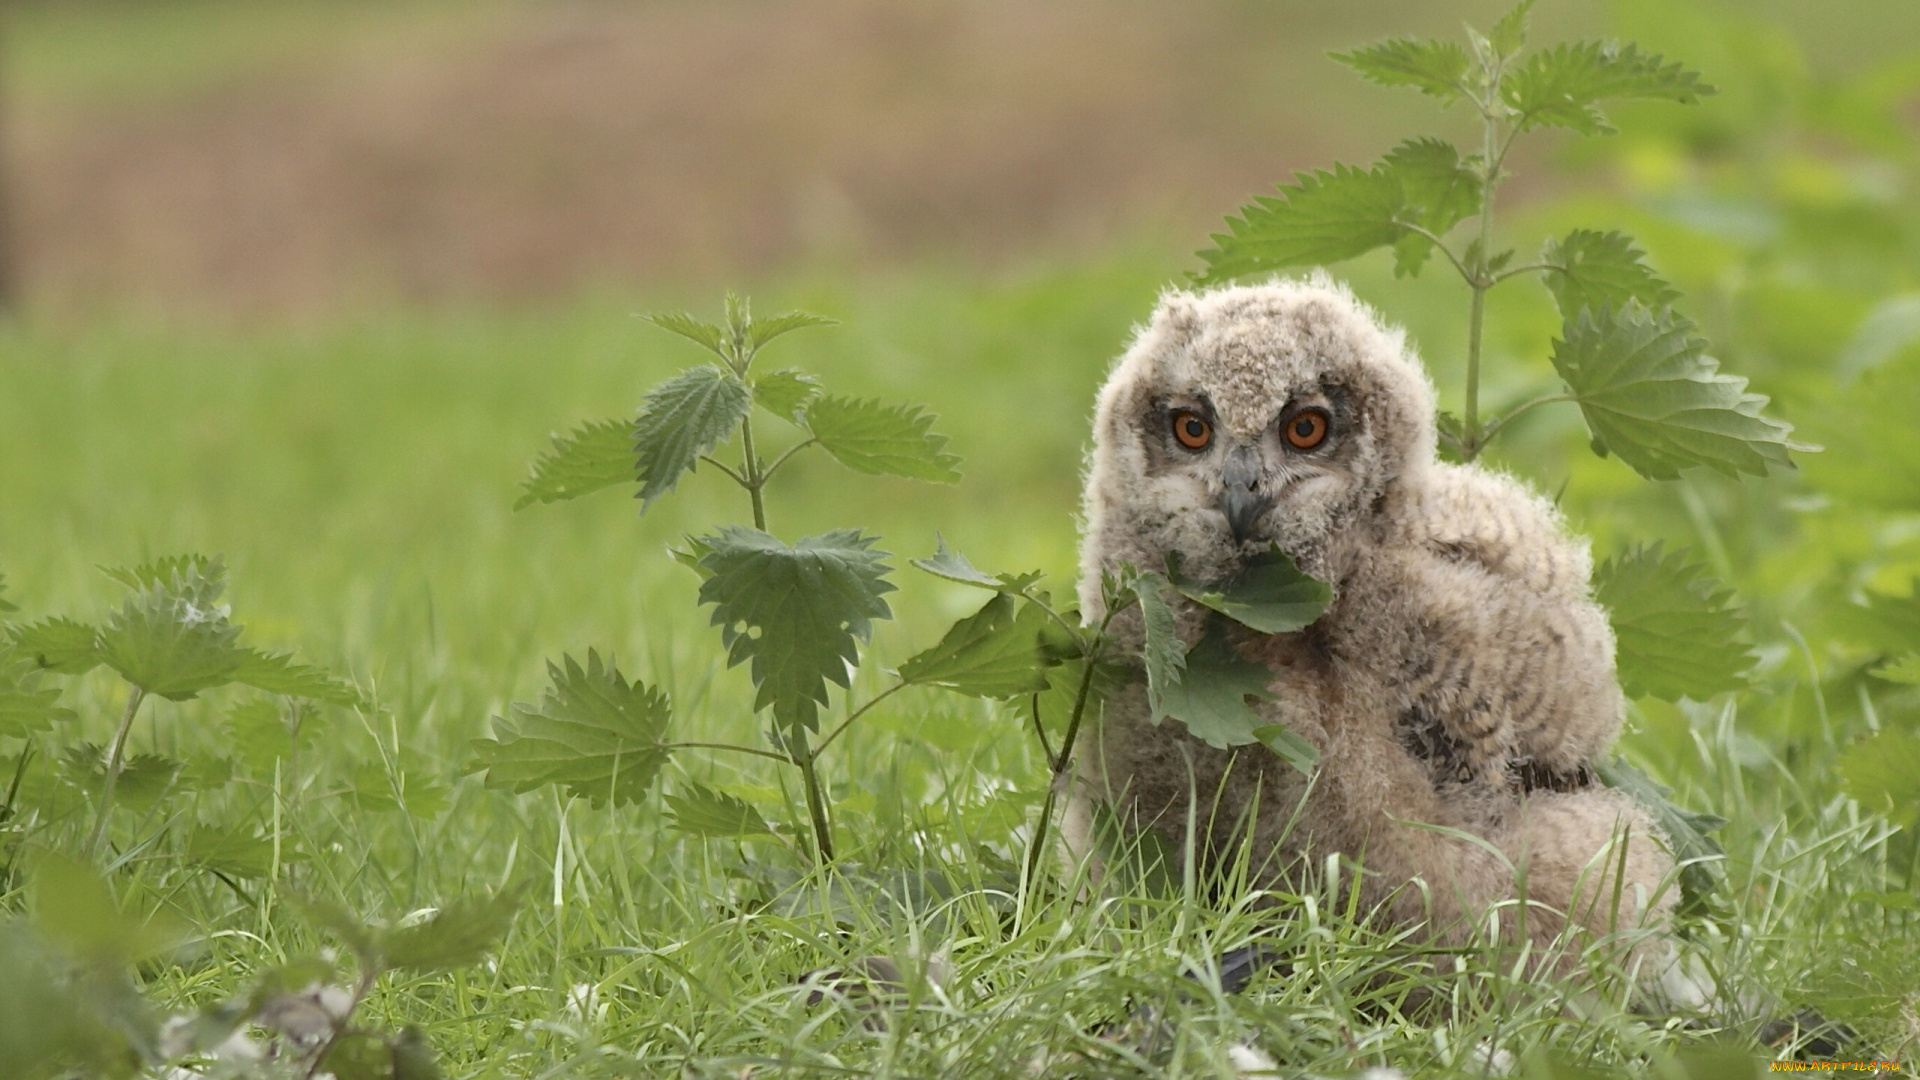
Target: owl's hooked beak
1241	499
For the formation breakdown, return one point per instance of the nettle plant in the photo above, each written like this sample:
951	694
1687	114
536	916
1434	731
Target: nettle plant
798	614
1636	368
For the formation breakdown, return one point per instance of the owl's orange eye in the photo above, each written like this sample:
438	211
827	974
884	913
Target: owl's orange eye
1192	430
1307	429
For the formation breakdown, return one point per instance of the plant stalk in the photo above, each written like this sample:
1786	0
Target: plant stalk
1481	281
115	762
755	481
1059	764
803	756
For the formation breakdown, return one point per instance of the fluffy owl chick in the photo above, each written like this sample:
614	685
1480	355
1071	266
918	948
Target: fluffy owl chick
1463	676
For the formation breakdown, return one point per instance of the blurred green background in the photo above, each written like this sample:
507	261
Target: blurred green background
308	283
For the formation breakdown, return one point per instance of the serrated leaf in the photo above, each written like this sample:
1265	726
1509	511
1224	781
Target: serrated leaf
798	613
591	457
890	440
1686	831
144	778
702	333
5	604
1436	68
1563	86
786	393
166	570
681	419
25	705
232	852
1328	217
1161	650
1509	35
1211	696
600	735
1882	771
1601	270
276	673
1652	396
1270	593
1904	670
59	644
953	566
1288	743
702	811
259	733
761	331
1678	630
459	934
172	637
999	651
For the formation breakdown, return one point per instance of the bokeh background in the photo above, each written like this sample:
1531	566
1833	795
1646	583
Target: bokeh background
308	283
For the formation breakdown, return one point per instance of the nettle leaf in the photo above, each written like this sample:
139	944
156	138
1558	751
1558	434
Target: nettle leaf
1883	772
260	733
761	331
1437	68
1164	654
5	604
708	336
1211	696
172	637
953	566
1904	670
166	570
892	440
1652	396
1509	35
1289	744
459	934
1563	86
25	705
276	673
600	735
1686	831
144	778
786	393
798	613
1596	270
1001	650
378	787
591	457
681	419
1328	217
702	811
1270	594
60	645
232	852
1678	630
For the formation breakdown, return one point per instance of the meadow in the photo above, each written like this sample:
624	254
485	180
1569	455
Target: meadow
359	477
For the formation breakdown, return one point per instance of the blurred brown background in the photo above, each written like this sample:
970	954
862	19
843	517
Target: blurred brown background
291	158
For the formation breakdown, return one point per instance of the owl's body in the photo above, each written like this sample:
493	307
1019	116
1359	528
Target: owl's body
1462	678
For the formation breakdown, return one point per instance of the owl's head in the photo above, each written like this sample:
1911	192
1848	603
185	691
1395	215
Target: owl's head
1243	416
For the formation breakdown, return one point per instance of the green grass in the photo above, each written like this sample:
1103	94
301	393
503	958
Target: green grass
360	482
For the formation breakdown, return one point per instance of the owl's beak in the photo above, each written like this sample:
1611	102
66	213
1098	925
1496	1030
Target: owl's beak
1241	499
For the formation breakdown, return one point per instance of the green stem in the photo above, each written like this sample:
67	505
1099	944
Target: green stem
856	714
782	459
1493	152
1494	425
754	750
1060	763
115	761
755	481
804	757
